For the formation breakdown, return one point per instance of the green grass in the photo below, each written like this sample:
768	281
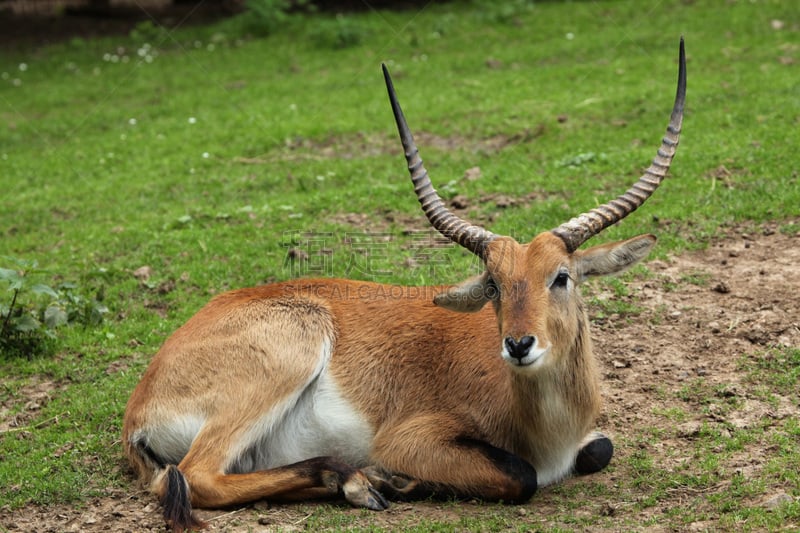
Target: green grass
209	163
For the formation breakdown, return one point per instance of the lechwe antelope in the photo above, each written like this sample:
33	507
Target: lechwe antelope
317	388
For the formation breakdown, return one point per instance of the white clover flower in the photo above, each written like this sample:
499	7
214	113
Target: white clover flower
192	120
23	67
132	121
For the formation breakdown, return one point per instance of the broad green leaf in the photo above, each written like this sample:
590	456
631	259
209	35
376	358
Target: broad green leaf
40	288
22	264
54	316
26	323
96	314
15	280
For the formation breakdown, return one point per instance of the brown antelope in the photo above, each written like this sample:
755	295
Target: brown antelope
320	387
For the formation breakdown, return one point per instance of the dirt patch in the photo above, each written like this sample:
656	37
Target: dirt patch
702	316
359	145
32	398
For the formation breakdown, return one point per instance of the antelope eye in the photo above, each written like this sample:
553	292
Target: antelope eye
492	290
562	278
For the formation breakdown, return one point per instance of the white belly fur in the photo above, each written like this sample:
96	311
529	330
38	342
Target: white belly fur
322	422
317	422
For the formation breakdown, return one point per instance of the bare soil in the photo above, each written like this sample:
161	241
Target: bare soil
703	316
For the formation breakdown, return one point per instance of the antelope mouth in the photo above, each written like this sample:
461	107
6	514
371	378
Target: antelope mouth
533	359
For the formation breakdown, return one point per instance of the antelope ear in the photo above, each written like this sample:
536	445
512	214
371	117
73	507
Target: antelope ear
612	258
469	296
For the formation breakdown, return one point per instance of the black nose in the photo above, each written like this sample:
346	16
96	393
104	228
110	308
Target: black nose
519	348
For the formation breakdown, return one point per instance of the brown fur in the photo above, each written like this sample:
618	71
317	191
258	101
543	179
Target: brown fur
446	411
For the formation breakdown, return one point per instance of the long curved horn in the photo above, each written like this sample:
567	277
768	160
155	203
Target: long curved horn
584	226
473	238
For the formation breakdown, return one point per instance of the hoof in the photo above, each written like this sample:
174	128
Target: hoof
594	456
360	493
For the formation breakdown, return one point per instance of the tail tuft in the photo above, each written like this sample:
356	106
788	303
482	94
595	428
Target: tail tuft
177	504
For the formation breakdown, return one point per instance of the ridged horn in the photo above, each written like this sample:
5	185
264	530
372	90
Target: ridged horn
584	226
473	238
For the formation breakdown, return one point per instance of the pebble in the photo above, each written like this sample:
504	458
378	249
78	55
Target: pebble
777	500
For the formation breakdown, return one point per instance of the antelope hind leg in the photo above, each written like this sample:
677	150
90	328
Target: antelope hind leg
319	477
311	478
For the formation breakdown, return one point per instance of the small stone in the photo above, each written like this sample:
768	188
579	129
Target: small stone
777	500
261	506
721	288
459	202
689	430
472	174
143	273
607	510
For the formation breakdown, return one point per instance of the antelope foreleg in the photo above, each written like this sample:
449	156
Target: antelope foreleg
431	456
594	455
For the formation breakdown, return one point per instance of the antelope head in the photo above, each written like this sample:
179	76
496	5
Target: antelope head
533	286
